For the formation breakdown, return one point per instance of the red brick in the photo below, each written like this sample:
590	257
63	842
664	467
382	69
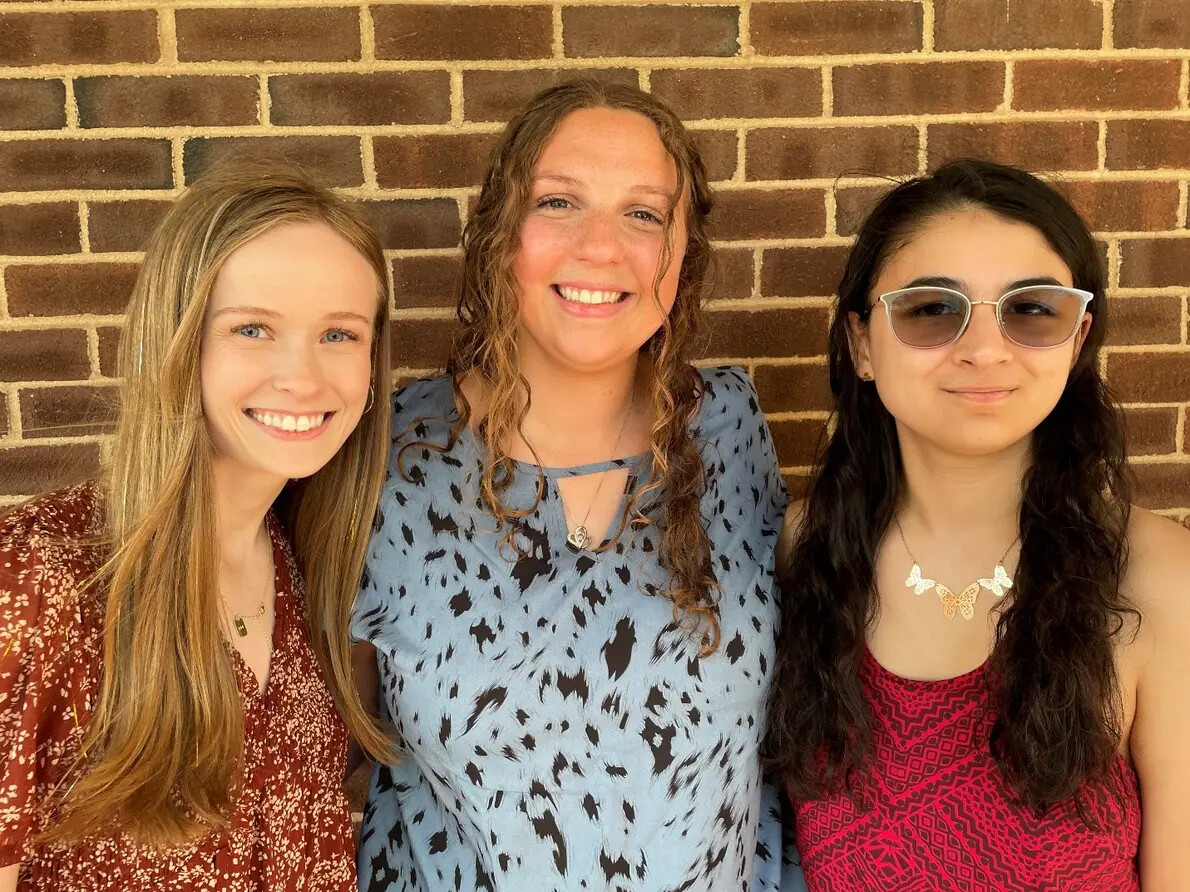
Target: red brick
1162	485
853	204
28	104
1154	263
427	281
1144	320
797	440
278	34
733	273
1124	206
1150	24
78	38
1150	377
1017	24
842	26
109	342
458	32
651	31
796	484
802	272
719	152
29	229
827	152
67	411
740	334
1151	431
1148	144
498	95
123	225
180	100
334	160
767	214
444	161
380	97
28	165
29	470
794	388
422	343
918	88
43	354
69	289
416	223
1049	84
1033	145
740	92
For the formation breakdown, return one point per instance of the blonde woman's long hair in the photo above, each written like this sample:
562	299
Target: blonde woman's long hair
162	751
489	311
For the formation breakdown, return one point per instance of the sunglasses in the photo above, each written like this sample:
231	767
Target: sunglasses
1033	316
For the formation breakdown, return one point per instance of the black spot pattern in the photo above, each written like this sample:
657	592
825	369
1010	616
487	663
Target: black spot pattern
559	731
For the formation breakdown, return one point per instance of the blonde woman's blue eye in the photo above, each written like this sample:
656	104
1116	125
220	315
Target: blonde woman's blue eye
339	336
647	216
553	203
250	331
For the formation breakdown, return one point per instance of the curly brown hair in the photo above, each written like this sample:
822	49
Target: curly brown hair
485	350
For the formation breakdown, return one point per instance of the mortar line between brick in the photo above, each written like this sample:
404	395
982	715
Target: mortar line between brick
179	170
1009	73
1184	85
367	159
15	430
558	46
1113	264
255	66
744	23
456	97
264	101
828	91
922	148
167	36
1180	431
93	351
757	261
832	209
1109	17
928	25
367	34
84	227
72	105
1183	188
3	297
741	156
1101	147
644	79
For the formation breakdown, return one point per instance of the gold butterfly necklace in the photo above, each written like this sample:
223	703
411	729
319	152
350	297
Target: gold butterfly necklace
964	601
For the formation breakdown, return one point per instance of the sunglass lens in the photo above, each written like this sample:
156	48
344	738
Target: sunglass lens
924	317
1041	316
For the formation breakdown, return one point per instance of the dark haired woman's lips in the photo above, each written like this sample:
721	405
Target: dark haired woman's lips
981	394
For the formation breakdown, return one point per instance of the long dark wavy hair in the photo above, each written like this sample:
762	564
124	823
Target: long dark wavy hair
1055	692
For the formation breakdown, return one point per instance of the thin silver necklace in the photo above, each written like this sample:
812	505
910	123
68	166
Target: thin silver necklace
962	602
580	536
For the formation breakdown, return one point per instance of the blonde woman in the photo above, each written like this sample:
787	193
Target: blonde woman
568	609
174	656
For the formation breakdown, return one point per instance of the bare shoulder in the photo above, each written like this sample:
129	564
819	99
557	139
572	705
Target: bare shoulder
1157	580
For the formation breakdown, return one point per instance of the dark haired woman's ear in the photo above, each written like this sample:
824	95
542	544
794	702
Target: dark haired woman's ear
1080	338
857	343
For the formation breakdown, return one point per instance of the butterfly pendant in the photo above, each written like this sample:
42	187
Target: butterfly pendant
963	602
917	582
999	583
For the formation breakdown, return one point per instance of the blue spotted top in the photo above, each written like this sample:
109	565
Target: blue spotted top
559	731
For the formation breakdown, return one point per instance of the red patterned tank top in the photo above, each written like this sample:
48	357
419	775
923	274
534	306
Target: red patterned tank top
942	817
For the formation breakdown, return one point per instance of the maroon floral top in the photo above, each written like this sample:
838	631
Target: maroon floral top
290	829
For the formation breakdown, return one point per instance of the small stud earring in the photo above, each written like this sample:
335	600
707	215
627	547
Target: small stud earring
867	376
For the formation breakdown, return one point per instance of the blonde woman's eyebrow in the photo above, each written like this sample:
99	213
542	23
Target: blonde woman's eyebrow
247	311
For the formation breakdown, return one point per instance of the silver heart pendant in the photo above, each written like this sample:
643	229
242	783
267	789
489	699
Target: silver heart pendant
579	538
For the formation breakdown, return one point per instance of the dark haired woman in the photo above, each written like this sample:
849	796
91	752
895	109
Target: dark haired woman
570	609
984	651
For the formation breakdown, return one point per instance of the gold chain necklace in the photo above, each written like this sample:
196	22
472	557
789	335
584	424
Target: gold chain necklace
963	602
580	536
238	618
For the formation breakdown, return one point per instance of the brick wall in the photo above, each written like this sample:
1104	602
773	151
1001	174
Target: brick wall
109	107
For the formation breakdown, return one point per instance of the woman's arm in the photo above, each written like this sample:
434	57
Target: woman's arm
1160	735
367	679
8	878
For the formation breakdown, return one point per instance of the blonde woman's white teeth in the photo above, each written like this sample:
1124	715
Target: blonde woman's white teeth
303	423
288	423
